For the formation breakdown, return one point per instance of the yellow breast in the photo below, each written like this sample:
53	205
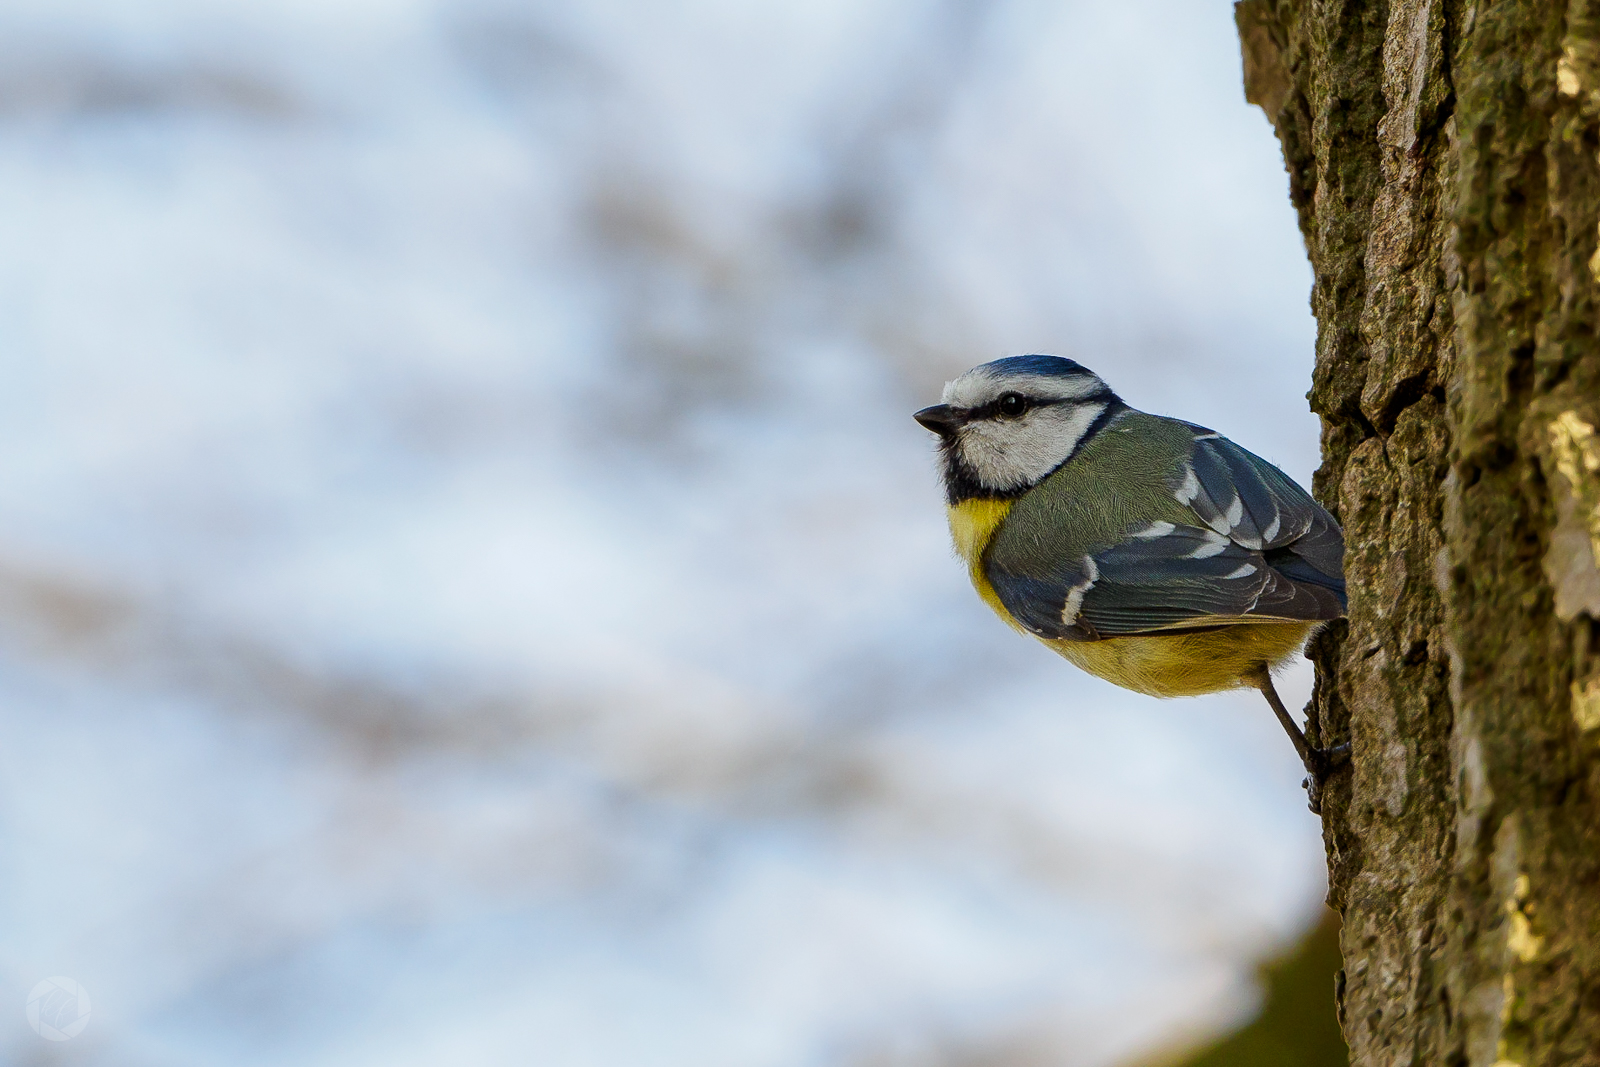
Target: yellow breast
1162	665
972	527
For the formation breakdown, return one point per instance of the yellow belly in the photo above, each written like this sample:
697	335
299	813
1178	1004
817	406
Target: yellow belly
1179	664
1187	664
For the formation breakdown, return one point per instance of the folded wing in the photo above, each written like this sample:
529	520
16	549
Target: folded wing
1255	548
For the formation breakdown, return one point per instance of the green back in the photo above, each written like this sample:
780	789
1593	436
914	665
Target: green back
1122	478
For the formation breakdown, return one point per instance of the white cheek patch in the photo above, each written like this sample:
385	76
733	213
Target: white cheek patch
1008	454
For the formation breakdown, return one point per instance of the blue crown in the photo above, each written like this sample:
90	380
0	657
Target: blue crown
1037	365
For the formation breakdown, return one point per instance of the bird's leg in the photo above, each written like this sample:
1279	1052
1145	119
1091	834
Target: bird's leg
1319	762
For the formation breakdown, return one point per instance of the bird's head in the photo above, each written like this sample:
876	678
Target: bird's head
1005	425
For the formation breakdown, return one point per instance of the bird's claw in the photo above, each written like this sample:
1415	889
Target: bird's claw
1320	764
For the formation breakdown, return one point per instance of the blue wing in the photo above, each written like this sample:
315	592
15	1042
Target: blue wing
1258	549
1257	506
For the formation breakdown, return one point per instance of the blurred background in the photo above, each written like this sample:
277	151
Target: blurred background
472	592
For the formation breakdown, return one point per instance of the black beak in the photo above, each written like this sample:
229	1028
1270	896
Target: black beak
942	419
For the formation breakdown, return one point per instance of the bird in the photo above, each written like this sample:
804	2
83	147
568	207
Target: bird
1149	551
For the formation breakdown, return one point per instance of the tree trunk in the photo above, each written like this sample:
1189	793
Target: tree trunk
1443	161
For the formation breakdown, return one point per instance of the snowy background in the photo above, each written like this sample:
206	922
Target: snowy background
472	592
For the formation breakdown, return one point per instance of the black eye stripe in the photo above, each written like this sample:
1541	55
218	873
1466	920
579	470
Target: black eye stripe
995	408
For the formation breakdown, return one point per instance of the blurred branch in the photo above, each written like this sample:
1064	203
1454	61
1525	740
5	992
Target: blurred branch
39	84
763	767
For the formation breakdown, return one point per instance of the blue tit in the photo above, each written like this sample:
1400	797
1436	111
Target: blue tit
1149	551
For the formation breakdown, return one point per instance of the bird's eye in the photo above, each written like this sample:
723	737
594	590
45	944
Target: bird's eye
1011	405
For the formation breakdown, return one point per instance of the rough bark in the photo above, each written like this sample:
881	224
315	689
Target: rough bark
1443	160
